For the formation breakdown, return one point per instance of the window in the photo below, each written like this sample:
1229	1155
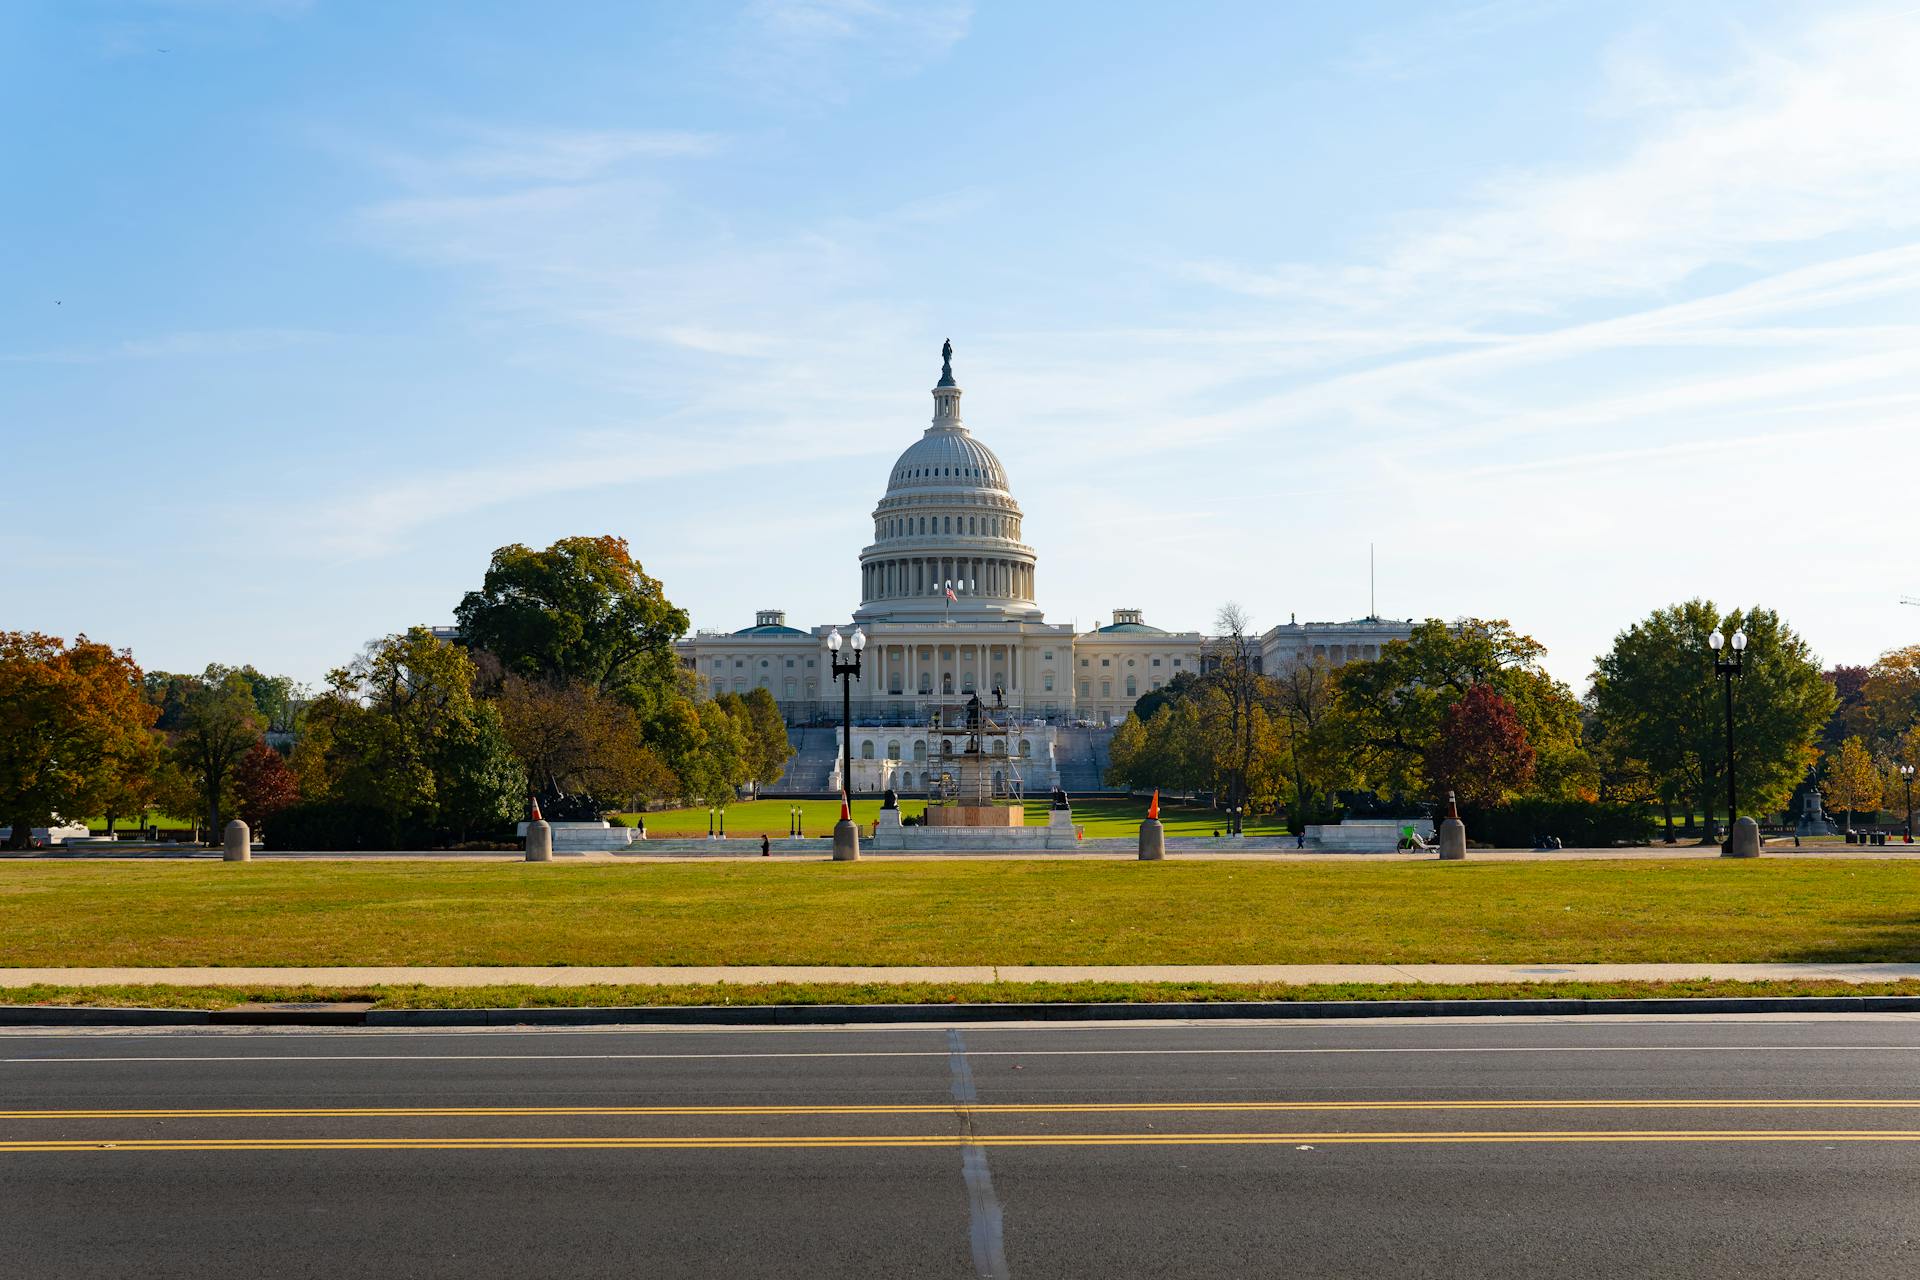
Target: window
1129	661
1106	688
1106	662
810	662
866	749
789	664
1132	689
763	662
1156	684
719	662
1084	662
1026	747
920	751
737	664
893	749
1083	688
1046	682
1176	662
1046	655
1156	662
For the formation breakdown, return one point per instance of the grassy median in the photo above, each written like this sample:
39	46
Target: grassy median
601	996
960	912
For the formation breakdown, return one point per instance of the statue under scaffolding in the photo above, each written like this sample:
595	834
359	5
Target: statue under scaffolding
975	780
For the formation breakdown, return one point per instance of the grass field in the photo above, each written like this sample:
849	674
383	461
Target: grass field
962	912
614	995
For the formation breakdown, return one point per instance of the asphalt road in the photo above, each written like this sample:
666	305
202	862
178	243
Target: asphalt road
1488	1148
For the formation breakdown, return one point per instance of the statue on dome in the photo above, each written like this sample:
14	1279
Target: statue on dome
946	362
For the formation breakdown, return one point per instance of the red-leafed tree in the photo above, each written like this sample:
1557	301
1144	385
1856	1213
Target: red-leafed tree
265	785
1482	754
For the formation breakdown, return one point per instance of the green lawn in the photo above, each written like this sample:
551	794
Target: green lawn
1122	817
961	912
756	818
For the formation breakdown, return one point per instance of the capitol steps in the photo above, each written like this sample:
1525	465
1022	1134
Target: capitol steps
810	772
1082	756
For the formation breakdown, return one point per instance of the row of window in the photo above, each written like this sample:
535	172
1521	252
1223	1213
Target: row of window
741	662
910	526
1107	662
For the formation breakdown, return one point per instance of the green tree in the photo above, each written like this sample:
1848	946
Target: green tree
580	610
1854	781
401	733
1656	694
1390	712
68	715
218	724
135	779
768	747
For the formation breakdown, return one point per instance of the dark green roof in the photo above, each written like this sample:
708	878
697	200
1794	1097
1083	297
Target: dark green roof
770	631
1133	626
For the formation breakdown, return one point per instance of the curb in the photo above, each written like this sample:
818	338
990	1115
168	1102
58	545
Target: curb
854	1014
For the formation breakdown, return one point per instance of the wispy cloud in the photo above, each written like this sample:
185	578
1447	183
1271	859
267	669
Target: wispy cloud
821	49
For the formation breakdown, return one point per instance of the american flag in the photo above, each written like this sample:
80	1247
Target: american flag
950	595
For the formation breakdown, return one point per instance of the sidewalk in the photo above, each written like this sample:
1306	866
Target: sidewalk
639	975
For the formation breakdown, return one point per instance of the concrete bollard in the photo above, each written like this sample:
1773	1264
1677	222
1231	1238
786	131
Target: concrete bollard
539	841
846	841
1745	840
1453	839
239	842
1153	840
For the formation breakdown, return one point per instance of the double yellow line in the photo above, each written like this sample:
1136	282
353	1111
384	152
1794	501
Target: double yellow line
1305	1139
975	1108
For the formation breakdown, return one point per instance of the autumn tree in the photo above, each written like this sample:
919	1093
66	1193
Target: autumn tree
574	740
1237	727
1889	703
1482	754
136	777
264	785
68	713
1390	712
581	610
1853	780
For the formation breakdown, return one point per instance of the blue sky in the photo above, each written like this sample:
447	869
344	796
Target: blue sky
1573	310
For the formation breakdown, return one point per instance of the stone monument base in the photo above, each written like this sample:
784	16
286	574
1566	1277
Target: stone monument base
976	815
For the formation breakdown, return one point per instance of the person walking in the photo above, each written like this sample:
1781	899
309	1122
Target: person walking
766	846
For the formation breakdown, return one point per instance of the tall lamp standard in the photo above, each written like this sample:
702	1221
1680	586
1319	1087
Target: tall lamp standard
1729	667
846	836
1906	776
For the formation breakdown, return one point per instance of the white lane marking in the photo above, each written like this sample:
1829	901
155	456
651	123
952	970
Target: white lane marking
977	1053
985	1233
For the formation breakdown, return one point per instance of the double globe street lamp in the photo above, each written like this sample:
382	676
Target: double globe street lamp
846	836
1906	776
1729	667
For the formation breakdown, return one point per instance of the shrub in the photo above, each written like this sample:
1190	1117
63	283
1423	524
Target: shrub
1580	824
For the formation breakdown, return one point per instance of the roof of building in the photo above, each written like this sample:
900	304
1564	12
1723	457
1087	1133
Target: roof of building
768	629
1129	627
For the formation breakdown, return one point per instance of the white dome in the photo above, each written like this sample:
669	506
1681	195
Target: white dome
947	519
947	458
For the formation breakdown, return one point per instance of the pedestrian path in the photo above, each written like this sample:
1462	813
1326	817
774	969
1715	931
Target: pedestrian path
663	975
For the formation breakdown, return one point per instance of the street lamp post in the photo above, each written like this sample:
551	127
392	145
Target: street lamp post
846	836
1906	776
1729	667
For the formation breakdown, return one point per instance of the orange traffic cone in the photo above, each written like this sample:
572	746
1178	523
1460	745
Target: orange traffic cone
846	810
1153	806
536	810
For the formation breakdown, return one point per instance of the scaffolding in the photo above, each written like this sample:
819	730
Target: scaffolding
968	746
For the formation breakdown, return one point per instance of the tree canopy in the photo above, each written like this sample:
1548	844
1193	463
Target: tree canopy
1655	693
68	714
581	610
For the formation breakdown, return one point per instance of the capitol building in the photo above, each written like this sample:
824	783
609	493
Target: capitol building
949	597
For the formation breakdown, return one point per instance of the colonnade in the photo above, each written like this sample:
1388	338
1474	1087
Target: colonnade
989	576
947	665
